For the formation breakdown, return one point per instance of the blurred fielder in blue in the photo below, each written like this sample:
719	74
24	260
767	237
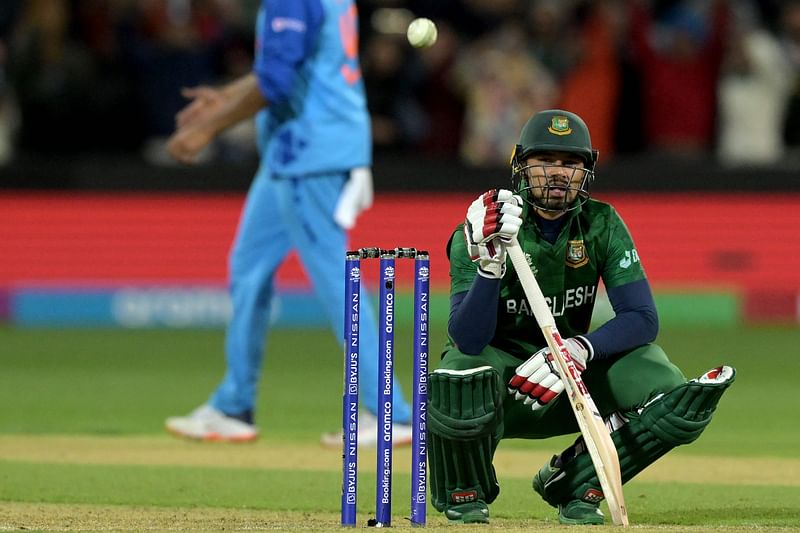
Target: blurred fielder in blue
314	141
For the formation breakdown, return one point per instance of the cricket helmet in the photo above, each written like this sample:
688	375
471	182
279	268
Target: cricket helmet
553	130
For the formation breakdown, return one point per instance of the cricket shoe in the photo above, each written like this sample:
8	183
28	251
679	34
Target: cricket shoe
476	512
209	424
368	433
580	513
573	512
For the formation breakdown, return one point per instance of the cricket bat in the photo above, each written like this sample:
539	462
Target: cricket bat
595	433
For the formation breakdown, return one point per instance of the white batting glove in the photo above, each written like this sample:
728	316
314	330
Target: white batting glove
537	381
492	219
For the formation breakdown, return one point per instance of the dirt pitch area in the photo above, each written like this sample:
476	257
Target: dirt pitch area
157	450
89	518
15	516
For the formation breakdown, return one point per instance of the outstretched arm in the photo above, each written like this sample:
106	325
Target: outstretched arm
205	100
211	112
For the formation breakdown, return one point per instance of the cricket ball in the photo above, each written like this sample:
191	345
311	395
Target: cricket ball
422	33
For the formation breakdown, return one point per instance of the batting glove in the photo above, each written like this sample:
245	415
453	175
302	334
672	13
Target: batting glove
537	381
492	220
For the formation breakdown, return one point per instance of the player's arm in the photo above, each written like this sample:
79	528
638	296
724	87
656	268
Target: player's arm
473	299
492	219
289	35
473	315
290	31
205	100
242	99
211	113
635	322
537	382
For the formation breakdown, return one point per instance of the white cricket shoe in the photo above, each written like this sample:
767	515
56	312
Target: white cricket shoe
209	424
368	433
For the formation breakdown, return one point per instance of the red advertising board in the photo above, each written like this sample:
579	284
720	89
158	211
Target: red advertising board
685	240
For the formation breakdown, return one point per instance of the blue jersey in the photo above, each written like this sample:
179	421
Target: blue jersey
307	66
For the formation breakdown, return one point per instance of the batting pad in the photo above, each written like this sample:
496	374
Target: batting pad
464	415
668	420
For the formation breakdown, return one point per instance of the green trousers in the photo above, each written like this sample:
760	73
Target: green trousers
625	383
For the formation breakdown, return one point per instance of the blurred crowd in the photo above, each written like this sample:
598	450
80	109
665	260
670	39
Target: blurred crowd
688	78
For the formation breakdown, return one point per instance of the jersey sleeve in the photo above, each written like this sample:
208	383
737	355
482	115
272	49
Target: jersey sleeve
288	36
462	269
622	263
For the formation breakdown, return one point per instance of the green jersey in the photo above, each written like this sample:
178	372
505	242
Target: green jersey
593	244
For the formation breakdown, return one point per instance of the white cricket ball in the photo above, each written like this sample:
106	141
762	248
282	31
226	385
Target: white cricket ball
422	33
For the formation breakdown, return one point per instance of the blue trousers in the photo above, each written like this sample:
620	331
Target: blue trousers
281	215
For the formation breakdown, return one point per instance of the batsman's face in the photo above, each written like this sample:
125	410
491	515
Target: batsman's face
555	178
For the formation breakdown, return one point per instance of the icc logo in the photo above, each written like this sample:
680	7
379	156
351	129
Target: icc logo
424	273
355	274
389	272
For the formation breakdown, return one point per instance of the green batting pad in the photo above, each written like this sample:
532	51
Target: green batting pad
464	414
672	419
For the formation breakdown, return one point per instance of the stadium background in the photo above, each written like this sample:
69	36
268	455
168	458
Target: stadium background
98	228
112	258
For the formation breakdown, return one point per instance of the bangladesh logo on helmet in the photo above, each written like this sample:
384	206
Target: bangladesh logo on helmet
559	125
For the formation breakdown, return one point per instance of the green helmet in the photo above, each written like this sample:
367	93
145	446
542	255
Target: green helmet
553	130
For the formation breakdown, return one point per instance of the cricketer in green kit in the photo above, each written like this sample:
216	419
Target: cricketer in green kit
496	379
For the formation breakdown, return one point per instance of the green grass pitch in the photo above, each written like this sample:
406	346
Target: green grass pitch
82	445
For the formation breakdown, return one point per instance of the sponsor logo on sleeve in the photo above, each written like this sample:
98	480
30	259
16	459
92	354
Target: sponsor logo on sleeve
631	257
281	24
